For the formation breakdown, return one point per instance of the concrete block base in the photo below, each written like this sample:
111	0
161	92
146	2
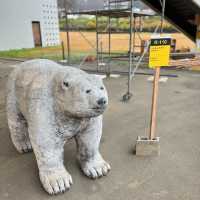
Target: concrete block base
147	147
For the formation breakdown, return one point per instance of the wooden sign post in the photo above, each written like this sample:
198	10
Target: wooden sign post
159	57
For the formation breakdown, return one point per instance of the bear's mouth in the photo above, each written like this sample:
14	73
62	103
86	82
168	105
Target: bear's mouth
99	109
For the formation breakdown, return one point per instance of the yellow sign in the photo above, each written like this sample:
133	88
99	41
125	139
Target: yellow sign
159	52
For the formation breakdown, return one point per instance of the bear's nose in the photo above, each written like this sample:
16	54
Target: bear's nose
101	102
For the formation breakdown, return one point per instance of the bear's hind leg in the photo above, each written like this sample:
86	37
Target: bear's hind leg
18	130
90	159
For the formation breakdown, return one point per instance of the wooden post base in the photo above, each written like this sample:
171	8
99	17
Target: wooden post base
147	147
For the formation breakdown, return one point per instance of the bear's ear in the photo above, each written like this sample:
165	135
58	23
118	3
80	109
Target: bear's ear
65	82
65	85
99	77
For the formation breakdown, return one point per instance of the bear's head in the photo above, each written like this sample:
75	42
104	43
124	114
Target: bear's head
80	94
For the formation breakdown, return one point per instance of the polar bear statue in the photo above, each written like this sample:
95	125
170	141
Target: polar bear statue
48	104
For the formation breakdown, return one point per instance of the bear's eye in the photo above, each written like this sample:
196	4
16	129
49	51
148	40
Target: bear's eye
101	88
66	84
88	91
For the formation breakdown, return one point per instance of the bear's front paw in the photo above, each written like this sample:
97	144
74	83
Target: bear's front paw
56	181
23	146
96	168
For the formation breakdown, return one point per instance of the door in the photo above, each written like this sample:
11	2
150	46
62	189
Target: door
37	34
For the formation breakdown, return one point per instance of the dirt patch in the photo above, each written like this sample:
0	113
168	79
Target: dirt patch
119	42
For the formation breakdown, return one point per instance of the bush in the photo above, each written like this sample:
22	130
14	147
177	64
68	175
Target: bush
91	25
123	25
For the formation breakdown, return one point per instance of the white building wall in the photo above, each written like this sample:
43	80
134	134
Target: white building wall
16	18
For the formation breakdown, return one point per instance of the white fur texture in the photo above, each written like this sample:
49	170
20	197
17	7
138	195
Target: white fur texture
48	104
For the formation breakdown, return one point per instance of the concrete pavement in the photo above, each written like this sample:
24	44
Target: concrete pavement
175	175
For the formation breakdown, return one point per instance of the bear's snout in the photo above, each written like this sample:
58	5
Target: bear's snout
101	102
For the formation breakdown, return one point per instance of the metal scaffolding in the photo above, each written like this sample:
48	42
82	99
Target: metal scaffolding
115	9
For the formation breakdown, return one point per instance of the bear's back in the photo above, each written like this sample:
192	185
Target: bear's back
28	76
33	70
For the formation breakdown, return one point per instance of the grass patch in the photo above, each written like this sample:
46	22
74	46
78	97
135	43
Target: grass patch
52	53
48	52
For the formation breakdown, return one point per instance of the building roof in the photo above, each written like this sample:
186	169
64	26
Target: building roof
114	12
181	13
